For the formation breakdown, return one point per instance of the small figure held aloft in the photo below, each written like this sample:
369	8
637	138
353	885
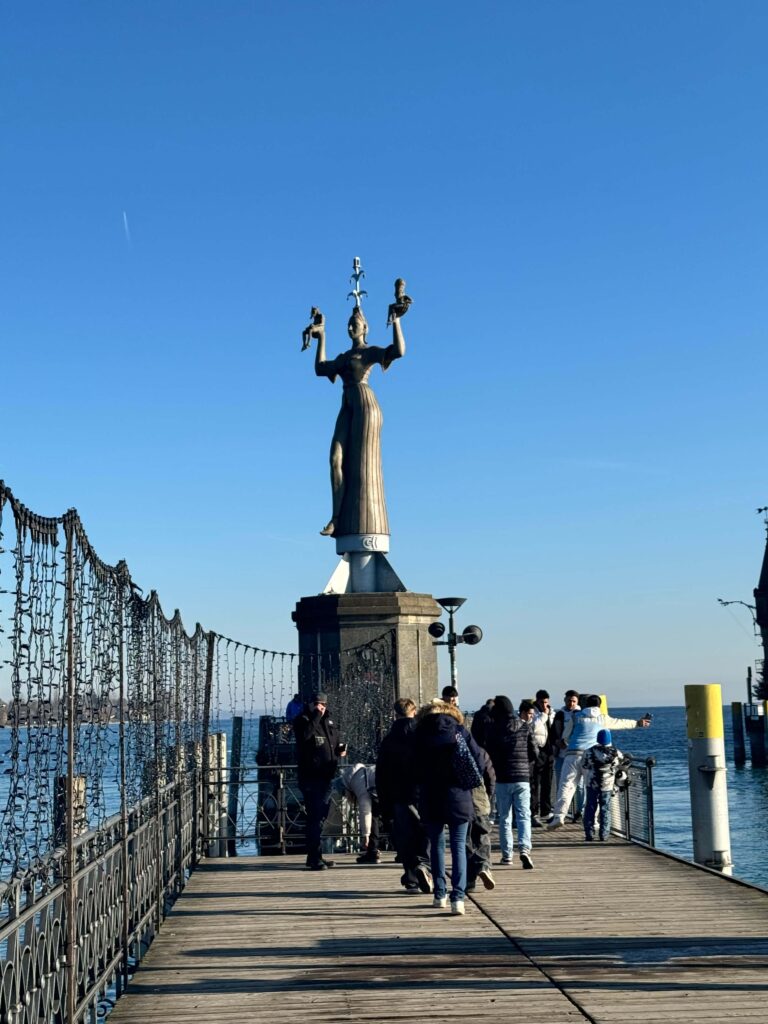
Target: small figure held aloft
311	330
401	304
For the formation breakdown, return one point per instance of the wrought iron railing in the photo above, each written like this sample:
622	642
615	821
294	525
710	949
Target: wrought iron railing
127	875
632	805
267	814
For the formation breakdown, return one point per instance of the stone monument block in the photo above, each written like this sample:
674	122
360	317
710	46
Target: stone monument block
334	630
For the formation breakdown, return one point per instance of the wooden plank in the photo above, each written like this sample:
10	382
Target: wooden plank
602	932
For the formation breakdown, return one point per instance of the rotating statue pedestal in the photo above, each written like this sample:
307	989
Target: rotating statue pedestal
364	642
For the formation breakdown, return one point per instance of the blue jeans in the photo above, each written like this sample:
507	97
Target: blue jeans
515	795
458	839
597	798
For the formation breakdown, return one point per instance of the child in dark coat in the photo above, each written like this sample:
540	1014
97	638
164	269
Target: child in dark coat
603	769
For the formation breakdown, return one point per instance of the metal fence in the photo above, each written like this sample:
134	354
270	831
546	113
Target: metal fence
259	809
126	876
632	805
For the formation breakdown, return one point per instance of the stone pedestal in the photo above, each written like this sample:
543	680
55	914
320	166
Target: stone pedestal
366	650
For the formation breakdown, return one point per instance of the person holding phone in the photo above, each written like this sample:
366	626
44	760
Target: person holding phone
318	749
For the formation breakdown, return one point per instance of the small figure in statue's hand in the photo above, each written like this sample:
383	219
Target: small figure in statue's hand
402	301
313	329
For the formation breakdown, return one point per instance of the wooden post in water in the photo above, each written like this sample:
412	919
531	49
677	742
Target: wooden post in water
79	819
234	784
221	791
216	786
763	717
706	769
739	746
754	721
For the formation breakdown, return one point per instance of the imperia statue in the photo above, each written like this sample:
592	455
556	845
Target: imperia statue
357	484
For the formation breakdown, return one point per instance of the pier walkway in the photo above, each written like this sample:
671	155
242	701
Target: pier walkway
597	932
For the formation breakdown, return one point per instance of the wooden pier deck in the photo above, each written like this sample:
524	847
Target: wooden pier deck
597	932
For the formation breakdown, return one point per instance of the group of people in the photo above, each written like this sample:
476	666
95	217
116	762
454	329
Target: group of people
433	772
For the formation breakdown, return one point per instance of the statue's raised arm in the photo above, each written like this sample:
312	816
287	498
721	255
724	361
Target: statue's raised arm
357	485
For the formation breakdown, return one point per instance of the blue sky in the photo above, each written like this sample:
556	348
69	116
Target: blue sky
576	195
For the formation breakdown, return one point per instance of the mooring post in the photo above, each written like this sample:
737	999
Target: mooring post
234	784
754	722
61	806
763	715
706	770
737	720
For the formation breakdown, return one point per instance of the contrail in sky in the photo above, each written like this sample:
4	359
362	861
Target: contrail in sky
127	229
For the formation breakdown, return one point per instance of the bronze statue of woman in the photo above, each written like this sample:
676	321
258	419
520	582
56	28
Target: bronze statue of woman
356	478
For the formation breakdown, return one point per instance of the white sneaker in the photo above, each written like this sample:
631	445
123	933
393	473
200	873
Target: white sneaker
440	901
555	823
457	907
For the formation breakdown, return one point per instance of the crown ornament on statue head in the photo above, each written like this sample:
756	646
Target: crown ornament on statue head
357	274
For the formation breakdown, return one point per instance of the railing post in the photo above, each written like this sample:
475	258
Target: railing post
234	784
627	814
706	769
192	753
126	887
282	817
160	886
650	764
206	744
180	758
70	887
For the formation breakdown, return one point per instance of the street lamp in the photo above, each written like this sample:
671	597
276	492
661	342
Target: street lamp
470	635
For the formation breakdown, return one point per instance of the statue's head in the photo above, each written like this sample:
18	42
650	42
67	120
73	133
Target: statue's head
357	327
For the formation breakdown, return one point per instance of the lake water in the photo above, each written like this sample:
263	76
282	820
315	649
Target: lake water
666	741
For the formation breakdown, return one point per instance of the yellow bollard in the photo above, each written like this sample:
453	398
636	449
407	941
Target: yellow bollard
706	771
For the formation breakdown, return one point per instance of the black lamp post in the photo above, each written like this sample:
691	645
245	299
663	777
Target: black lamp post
471	634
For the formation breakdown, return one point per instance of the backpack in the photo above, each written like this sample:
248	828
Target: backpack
465	768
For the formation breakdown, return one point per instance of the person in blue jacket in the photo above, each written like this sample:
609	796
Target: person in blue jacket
294	708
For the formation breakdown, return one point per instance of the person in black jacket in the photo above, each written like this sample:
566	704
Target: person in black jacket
481	723
318	749
512	751
398	798
442	799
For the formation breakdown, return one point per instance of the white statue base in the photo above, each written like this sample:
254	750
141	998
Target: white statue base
363	569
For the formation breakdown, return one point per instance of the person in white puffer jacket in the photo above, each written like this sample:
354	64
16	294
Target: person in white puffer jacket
586	725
